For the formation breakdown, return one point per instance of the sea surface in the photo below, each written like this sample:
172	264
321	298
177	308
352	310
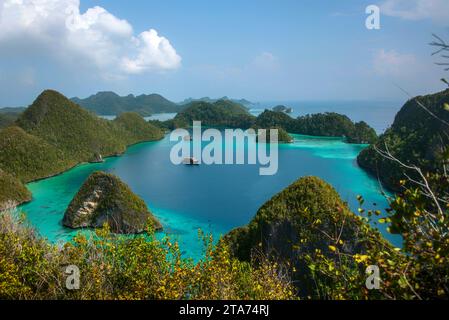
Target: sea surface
215	198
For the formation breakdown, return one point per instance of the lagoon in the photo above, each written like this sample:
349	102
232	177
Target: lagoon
214	198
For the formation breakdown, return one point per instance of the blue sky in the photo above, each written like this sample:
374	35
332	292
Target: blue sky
257	49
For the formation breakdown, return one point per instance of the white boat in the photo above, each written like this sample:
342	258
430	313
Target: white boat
191	161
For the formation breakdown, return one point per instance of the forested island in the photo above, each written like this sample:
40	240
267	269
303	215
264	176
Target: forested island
105	199
225	113
109	103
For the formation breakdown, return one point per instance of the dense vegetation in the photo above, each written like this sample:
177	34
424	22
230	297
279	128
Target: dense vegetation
225	113
282	108
7	119
109	103
243	102
28	157
137	128
75	131
9	115
320	124
268	119
54	134
282	137
305	225
138	267
222	113
418	137
13	191
335	125
327	248
104	198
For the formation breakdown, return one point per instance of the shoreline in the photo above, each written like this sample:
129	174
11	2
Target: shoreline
75	166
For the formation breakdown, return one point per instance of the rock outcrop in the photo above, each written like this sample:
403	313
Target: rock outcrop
104	198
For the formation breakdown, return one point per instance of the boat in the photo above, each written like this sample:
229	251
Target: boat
191	161
188	138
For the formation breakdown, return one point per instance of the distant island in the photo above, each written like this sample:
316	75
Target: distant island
244	102
108	103
221	113
9	115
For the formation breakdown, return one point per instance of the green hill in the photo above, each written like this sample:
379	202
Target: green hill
305	218
332	124
283	136
137	128
12	191
110	103
222	113
268	119
75	131
28	157
320	124
416	137
54	134
79	133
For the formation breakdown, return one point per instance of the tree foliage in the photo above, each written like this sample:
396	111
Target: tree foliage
127	268
418	136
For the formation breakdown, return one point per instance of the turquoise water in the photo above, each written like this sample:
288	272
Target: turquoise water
213	198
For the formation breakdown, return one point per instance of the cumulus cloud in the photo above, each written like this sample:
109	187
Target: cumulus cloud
153	52
393	63
437	10
57	28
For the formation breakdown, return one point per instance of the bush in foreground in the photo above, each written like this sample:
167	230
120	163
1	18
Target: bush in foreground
117	267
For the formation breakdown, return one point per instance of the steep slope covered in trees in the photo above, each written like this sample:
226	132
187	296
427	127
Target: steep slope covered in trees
417	137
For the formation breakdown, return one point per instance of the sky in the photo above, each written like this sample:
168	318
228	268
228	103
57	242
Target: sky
261	50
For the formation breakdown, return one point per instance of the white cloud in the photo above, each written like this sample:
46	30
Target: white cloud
57	29
436	10
393	63
153	52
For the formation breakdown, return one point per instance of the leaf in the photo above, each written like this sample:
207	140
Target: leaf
332	248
